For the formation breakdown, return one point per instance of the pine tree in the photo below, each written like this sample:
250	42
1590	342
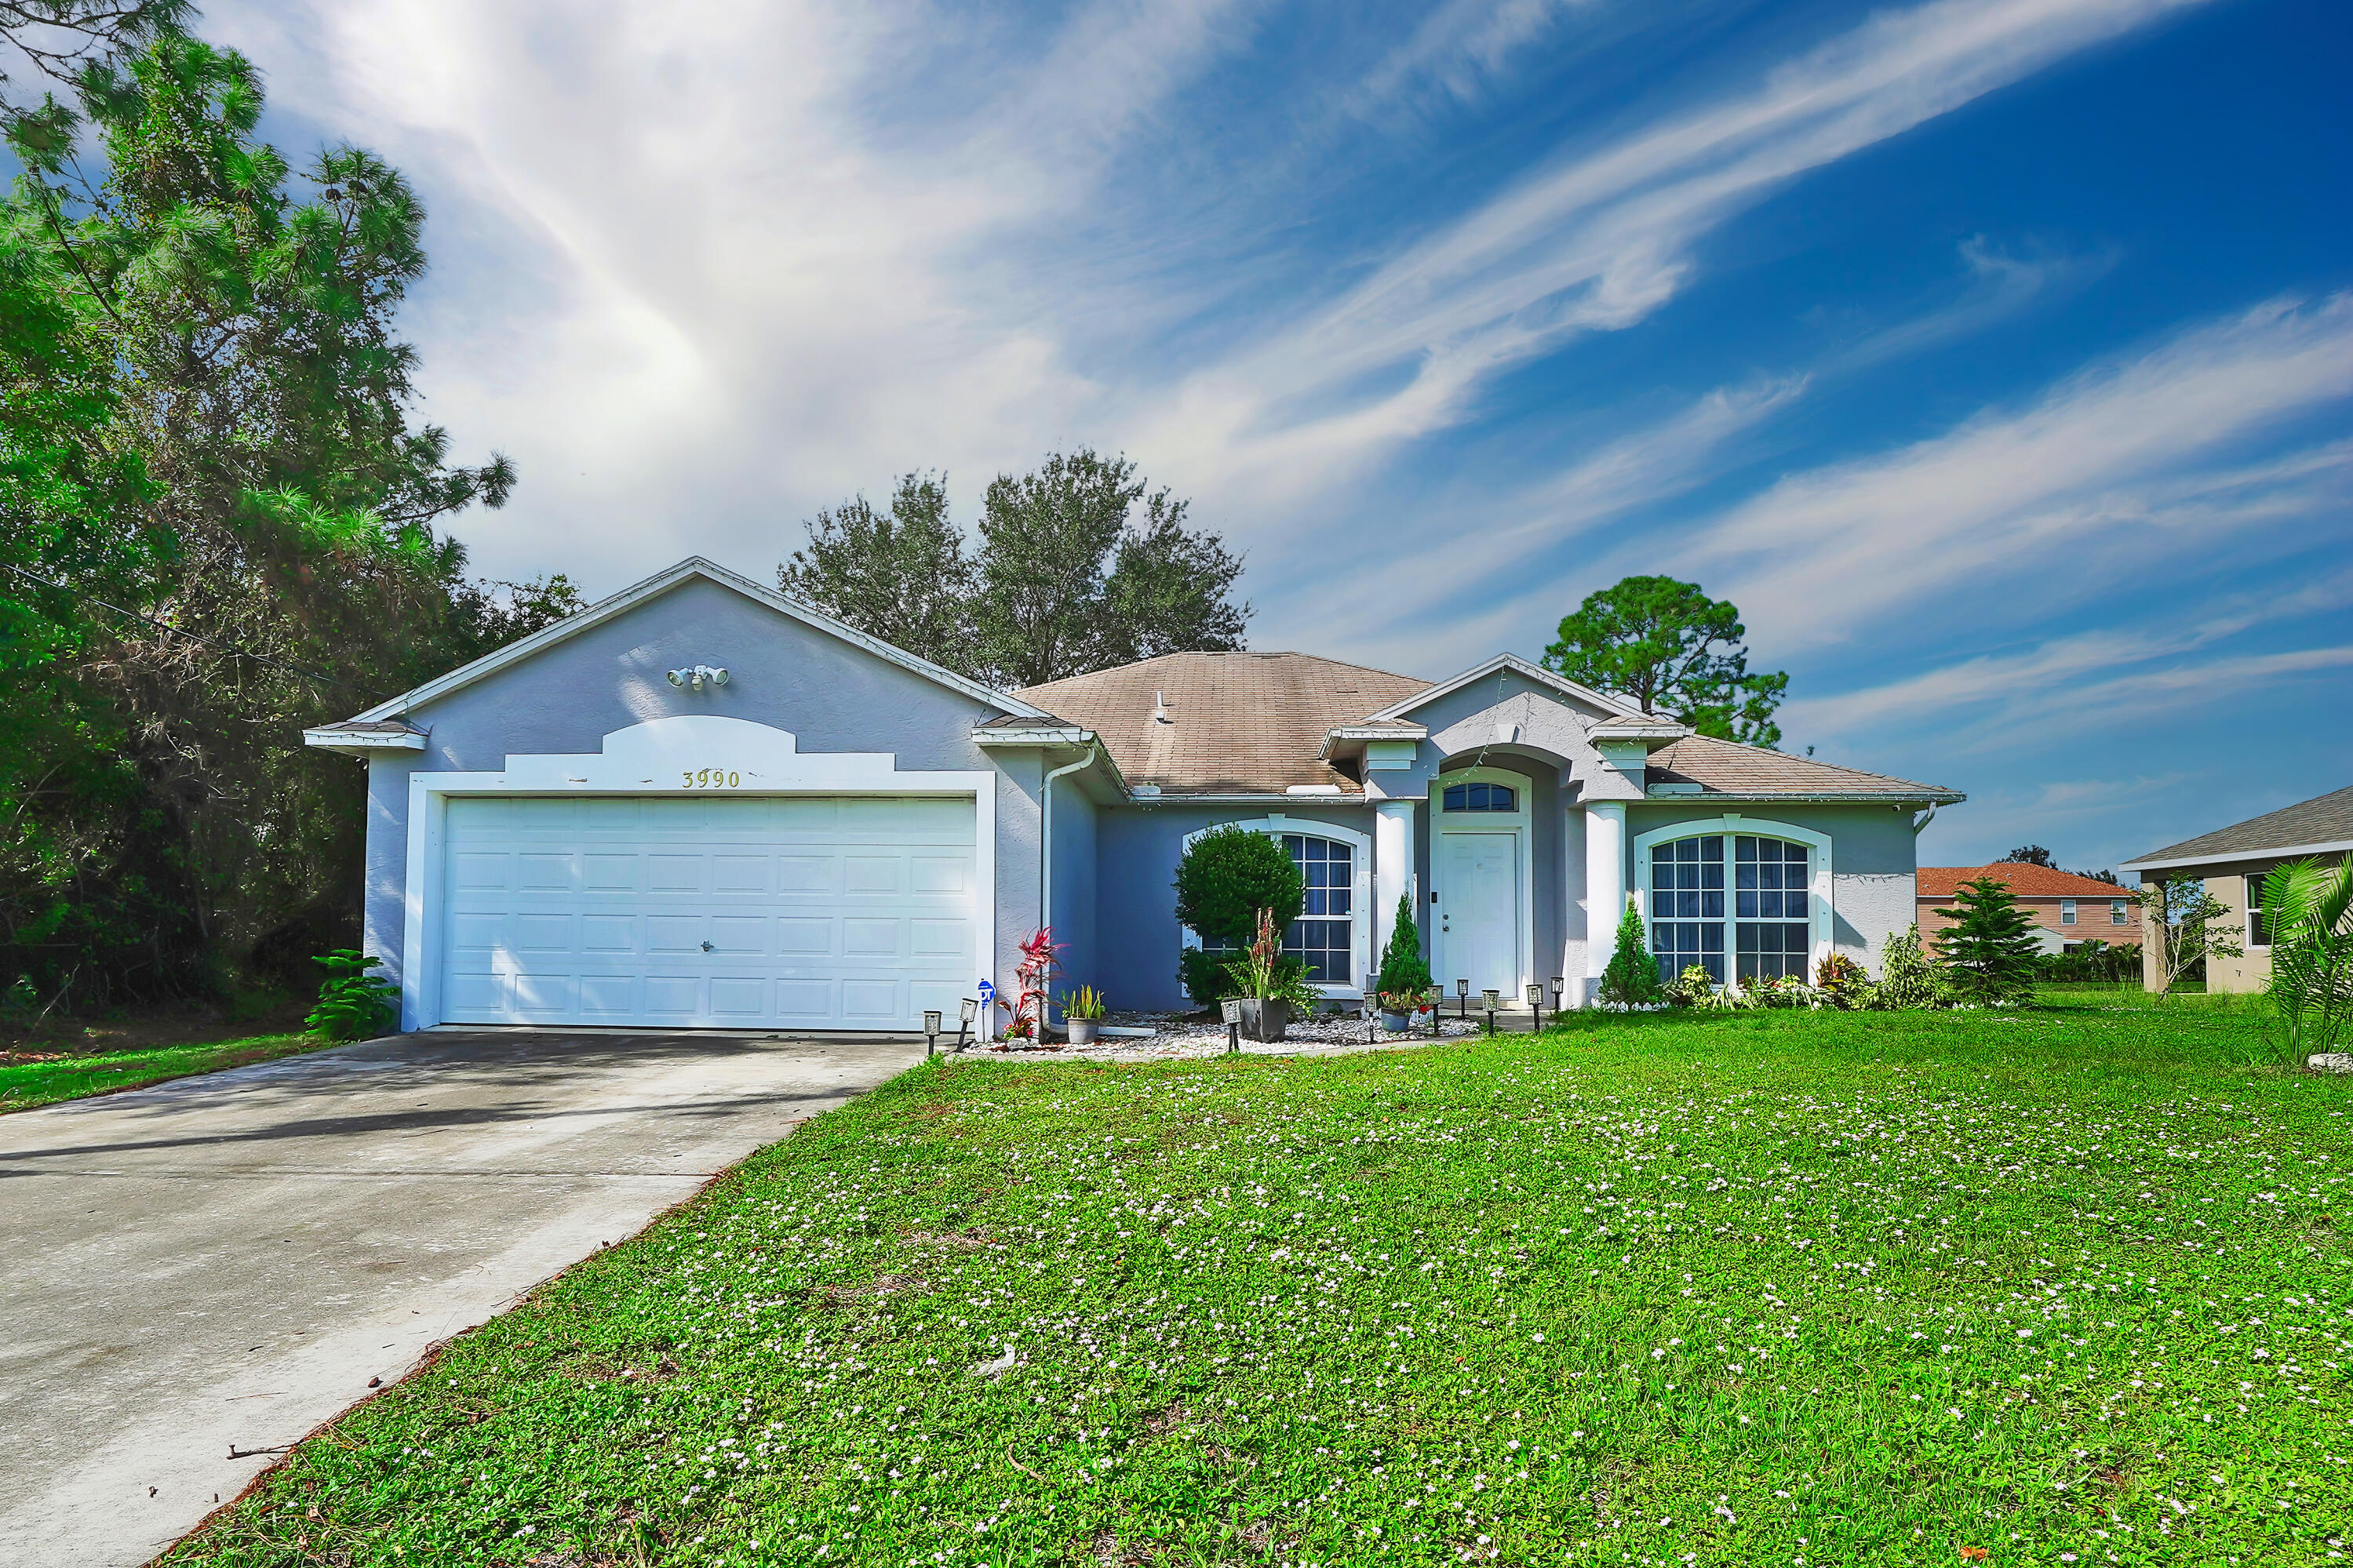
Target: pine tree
1404	972
1633	978
1990	950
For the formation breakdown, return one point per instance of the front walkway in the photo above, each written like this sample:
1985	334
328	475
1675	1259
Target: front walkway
217	1265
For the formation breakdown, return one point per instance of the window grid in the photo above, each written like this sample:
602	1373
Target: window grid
2066	911
1770	911
1324	934
2115	912
1481	796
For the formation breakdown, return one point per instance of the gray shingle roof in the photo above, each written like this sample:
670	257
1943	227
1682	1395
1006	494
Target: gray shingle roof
1726	767
1238	723
2323	820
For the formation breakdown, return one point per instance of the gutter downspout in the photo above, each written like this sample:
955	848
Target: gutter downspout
1922	821
1046	854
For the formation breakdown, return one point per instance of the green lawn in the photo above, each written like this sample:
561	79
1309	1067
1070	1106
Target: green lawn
43	1078
1750	1289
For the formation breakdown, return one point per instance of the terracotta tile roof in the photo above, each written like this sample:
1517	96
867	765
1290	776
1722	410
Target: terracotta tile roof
2026	882
2325	819
1238	723
1726	767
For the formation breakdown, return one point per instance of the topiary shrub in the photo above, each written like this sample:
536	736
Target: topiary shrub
1404	972
1633	978
1224	878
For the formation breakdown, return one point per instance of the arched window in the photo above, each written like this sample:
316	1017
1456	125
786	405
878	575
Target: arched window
1764	927
1480	797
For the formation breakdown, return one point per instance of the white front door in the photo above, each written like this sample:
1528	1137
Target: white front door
1479	911
794	911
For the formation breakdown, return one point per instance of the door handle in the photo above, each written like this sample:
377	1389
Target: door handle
706	947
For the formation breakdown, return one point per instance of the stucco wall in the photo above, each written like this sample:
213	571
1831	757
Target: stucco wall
833	696
1872	857
1136	848
1073	911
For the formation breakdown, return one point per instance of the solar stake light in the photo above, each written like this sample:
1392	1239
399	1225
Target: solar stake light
1437	1018
1231	1009
1556	983
1463	991
967	1011
1536	1005
1493	999
932	1032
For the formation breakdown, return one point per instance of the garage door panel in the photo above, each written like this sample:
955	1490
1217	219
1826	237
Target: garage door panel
849	913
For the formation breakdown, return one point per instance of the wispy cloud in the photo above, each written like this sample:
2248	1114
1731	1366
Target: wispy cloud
2144	448
1600	241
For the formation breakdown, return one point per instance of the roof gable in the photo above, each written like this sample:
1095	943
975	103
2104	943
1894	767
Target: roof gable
1730	768
1535	673
694	567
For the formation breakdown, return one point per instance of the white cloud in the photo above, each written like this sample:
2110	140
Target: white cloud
2136	454
1598	242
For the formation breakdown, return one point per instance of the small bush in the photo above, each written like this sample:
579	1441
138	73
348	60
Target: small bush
1907	978
353	1004
1841	980
1633	978
1404	972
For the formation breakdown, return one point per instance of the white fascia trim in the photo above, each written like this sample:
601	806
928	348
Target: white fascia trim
772	763
1370	732
1660	733
1360	885
1263	799
613	604
360	743
1039	735
1517	666
1821	912
1944	797
2230	856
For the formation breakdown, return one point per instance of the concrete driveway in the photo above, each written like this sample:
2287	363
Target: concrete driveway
221	1263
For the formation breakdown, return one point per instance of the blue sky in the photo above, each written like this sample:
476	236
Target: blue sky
1995	356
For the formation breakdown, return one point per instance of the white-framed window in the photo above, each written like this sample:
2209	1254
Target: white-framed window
2259	930
1331	932
2115	912
1742	899
2066	911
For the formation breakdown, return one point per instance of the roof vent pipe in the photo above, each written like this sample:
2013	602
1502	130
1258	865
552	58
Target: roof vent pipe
1160	709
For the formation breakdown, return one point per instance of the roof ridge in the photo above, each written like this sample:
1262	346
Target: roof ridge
1206	652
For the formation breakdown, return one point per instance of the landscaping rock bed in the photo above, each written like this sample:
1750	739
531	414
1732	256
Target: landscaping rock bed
1175	1037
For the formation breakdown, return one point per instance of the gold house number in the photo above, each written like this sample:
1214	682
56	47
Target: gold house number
710	778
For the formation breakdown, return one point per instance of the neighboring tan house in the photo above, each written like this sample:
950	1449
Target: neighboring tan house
701	803
2068	910
2233	861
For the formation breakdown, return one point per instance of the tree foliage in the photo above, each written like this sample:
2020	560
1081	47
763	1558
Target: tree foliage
2184	926
1080	566
1666	645
2309	907
1988	950
1224	879
217	522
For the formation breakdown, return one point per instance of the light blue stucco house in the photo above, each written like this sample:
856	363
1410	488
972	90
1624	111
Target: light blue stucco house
700	804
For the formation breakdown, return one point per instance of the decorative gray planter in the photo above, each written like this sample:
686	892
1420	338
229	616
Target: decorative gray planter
1265	1020
1081	1031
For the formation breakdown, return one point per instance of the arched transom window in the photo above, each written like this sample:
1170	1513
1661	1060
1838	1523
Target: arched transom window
1479	795
1737	896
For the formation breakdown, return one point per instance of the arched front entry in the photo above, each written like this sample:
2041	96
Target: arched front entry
1481	874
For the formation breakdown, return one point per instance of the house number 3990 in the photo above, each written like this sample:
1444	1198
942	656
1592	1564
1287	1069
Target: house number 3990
711	778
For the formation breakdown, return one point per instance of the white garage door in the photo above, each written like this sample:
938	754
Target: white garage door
847	913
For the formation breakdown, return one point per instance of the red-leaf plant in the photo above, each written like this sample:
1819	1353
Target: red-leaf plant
1035	972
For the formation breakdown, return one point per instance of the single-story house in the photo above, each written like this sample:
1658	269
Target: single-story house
2233	861
700	803
2067	910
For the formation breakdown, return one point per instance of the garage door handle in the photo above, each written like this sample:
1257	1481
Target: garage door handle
706	947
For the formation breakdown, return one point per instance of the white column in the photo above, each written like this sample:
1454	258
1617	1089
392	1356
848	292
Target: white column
1392	871
1605	882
